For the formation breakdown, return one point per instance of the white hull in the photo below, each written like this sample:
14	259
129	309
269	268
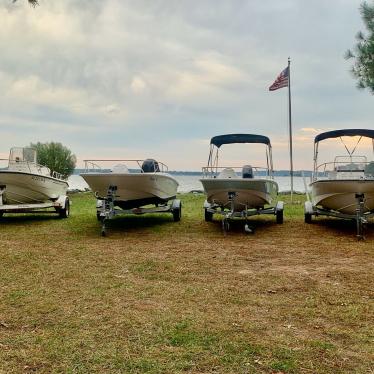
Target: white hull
340	195
250	193
131	186
26	188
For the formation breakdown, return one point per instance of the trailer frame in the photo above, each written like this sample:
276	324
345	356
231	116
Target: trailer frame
61	206
231	213
361	217
107	210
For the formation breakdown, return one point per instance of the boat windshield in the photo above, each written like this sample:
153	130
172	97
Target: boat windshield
22	155
357	163
24	160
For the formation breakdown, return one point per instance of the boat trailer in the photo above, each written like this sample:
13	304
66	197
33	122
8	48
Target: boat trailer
231	214
361	217
106	210
61	206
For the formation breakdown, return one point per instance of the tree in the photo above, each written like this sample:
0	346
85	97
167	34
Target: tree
33	3
56	157
363	52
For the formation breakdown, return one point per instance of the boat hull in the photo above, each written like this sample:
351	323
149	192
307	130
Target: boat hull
249	193
26	188
340	195
133	190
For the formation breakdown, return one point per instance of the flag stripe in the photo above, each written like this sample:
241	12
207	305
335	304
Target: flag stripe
281	81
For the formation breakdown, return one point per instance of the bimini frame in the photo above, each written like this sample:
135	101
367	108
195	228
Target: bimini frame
217	141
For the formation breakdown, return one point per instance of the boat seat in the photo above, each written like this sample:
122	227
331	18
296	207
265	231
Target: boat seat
150	166
227	173
369	169
247	171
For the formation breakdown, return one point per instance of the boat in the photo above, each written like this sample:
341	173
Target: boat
343	186
26	186
131	190
240	192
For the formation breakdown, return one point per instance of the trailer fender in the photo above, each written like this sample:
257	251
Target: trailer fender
279	207
176	204
308	207
61	201
99	204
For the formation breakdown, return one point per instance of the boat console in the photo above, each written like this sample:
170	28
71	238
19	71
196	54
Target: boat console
227	173
120	169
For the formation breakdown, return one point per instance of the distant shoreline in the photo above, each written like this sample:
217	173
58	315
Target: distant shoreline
277	173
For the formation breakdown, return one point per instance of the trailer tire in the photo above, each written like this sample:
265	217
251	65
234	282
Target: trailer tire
208	215
279	216
65	212
177	213
307	218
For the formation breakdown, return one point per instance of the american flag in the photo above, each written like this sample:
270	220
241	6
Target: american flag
281	81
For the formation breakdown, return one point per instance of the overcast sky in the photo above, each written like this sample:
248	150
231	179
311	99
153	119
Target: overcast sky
159	78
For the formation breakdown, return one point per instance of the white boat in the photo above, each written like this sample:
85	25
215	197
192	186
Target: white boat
24	184
344	186
132	190
240	193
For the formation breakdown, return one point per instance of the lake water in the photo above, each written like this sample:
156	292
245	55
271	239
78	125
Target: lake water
188	183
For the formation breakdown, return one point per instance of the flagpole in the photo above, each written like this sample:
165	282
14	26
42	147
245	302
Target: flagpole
290	126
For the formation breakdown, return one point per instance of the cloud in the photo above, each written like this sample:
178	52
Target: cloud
138	85
311	130
33	90
112	109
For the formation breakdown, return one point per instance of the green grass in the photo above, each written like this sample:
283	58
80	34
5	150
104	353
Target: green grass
156	296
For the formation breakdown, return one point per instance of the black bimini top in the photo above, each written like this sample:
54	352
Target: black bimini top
239	138
347	132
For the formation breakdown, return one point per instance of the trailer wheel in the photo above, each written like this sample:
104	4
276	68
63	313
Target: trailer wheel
65	212
177	213
307	218
208	215
279	216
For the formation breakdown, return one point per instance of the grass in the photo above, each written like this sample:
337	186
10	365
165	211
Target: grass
162	297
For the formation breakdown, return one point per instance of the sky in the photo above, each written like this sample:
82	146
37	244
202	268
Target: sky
158	78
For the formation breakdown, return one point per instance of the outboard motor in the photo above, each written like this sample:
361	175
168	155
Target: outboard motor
150	166
247	171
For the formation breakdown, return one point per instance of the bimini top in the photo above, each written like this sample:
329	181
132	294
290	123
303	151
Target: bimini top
239	138
347	132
